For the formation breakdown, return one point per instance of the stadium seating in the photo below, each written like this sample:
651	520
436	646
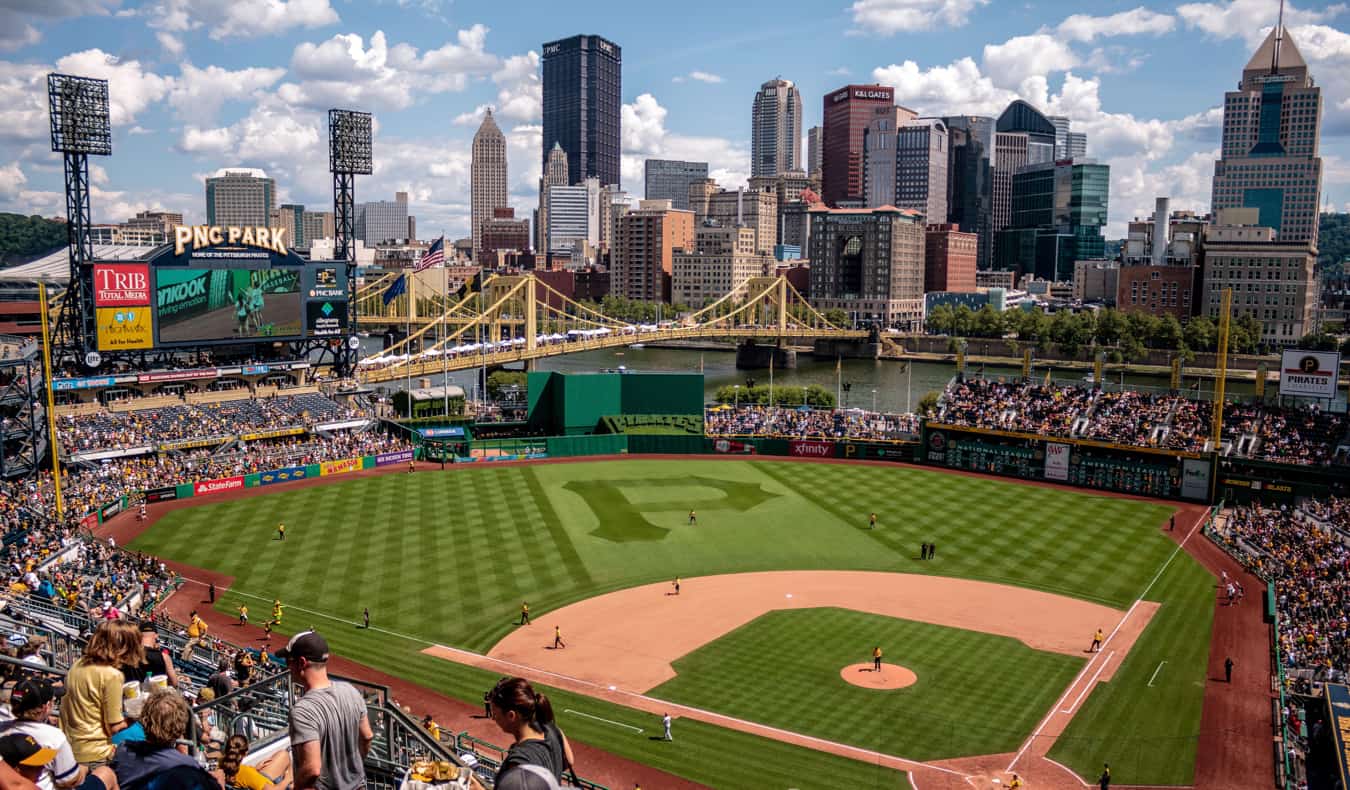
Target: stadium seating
1168	420
808	423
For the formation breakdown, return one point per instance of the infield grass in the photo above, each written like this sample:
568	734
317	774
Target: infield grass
448	557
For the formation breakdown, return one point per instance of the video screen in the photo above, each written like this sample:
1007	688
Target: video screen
200	305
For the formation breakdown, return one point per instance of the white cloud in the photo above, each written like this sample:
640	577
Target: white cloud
16	16
130	88
343	70
1011	63
1136	21
842	71
1249	19
198	93
520	95
23	101
12	181
206	141
955	89
240	18
1134	187
172	44
888	17
703	76
645	137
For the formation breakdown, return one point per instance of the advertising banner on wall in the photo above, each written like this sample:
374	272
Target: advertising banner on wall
282	475
804	448
1195	478
1338	701
60	385
340	467
121	328
161	494
437	433
733	447
1057	461
109	510
121	285
204	487
401	457
1309	374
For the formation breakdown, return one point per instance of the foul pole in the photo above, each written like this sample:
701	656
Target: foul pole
1225	309
53	446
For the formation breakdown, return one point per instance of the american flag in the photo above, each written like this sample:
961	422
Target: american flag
434	256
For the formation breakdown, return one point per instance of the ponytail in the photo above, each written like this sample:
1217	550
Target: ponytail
543	709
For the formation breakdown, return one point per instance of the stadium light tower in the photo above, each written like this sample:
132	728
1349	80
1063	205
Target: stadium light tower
80	128
349	155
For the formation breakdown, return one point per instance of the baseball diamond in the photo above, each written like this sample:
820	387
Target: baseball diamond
444	560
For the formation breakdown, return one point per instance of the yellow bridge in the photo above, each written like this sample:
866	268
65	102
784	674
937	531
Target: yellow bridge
517	318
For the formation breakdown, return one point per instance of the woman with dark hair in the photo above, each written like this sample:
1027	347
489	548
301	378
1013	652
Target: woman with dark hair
527	717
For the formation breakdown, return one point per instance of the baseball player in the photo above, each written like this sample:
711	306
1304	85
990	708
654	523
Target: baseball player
524	613
677	585
1096	641
558	643
872	521
281	532
665	722
876	658
243	614
693	517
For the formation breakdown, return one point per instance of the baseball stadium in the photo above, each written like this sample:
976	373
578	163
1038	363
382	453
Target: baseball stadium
1017	581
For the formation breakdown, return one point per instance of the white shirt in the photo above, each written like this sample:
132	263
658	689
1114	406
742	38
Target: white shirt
63	766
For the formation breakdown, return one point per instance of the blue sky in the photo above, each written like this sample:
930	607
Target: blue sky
202	84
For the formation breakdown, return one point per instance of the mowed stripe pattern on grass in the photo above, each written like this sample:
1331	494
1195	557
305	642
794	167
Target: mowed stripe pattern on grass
444	557
1097	548
976	693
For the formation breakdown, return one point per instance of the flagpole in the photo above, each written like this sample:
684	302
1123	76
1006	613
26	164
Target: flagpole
771	356
838	382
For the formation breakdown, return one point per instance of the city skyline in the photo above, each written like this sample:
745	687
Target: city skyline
189	100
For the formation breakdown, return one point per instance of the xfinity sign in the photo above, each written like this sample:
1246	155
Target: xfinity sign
1309	374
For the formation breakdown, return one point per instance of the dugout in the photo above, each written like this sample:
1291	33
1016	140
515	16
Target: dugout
571	404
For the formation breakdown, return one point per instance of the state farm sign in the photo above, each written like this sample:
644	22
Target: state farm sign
808	449
121	285
216	486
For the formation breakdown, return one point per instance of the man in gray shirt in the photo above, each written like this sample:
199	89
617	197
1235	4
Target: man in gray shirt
330	733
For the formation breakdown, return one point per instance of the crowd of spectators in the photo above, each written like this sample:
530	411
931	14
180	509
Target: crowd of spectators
808	423
106	430
1304	552
85	488
1285	435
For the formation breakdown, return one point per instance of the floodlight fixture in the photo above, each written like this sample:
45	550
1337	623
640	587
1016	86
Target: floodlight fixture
349	142
79	114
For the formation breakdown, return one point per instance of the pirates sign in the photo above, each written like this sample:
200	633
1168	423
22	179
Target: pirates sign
1309	374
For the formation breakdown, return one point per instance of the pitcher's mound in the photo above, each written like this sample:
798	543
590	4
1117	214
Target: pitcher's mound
891	676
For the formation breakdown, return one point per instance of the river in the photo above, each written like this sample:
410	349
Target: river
889	385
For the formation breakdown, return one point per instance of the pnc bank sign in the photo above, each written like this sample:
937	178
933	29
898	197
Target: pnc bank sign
198	236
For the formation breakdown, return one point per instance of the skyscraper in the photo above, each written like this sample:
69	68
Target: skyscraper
487	178
382	220
582	105
1040	131
645	241
1271	125
847	113
775	129
555	175
240	197
869	263
1068	143
669	179
1010	155
1058	212
814	150
921	168
970	188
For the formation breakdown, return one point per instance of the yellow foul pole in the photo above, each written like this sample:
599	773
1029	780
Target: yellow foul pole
1225	311
53	446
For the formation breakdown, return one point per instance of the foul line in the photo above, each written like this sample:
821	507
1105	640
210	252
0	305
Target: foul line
606	721
1154	676
1089	685
707	716
1054	710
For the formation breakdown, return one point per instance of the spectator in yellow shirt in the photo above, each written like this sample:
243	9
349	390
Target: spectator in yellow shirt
91	711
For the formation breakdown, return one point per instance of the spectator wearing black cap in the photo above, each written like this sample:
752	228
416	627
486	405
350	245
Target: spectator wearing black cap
26	762
31	703
330	732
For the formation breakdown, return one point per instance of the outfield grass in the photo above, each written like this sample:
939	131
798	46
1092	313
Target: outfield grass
448	557
783	669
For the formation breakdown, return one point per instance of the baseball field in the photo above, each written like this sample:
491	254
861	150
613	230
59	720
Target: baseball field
784	590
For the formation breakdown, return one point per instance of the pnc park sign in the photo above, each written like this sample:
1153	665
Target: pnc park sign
199	236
